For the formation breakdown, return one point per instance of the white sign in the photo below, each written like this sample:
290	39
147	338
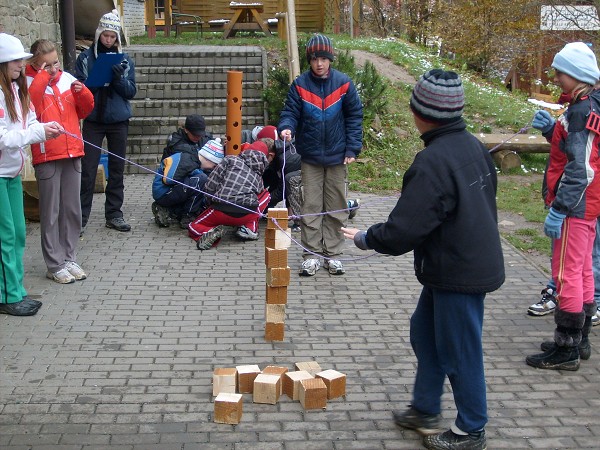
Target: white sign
563	18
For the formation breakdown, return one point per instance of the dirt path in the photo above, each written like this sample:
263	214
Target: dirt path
384	66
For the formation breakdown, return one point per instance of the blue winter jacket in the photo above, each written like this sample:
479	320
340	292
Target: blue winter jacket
325	116
111	102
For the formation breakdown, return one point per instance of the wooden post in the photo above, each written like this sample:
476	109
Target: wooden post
150	19
293	39
234	113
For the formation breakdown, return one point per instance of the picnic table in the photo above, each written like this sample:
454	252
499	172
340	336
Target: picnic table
246	17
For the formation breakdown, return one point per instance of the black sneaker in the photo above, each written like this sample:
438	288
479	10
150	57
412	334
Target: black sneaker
556	358
161	215
22	308
118	223
449	440
210	239
585	349
424	424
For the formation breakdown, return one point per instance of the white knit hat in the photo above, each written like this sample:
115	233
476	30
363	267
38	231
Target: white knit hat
11	49
213	151
109	22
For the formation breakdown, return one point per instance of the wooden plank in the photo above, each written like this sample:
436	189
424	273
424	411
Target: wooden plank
521	143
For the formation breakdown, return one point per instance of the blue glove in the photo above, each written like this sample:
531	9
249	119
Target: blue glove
543	121
553	224
119	70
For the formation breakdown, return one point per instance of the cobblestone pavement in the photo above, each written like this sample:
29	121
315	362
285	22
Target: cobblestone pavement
124	359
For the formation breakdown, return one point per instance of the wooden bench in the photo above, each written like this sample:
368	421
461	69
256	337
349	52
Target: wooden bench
181	21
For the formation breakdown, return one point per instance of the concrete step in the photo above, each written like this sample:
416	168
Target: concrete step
193	74
195	55
194	90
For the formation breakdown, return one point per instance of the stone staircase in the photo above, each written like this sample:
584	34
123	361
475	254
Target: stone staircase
174	81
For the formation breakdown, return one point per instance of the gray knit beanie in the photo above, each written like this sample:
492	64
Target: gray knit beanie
438	97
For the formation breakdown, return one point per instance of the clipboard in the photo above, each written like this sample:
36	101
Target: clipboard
102	73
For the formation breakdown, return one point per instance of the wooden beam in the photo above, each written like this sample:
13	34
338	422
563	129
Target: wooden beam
521	143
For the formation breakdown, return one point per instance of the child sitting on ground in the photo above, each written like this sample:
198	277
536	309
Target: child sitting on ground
179	180
237	197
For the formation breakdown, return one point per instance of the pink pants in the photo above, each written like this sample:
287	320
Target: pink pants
211	218
572	264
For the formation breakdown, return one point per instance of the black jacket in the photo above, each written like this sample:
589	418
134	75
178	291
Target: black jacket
447	215
178	142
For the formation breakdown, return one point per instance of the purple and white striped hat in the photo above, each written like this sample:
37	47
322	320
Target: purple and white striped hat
438	97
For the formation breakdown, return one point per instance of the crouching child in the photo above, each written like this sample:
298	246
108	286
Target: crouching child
178	184
237	198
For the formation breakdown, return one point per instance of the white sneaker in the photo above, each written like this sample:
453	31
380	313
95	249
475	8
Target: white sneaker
546	305
310	267
245	234
76	270
63	276
335	266
596	318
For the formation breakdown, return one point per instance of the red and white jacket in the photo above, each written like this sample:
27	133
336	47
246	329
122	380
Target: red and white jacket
573	173
55	100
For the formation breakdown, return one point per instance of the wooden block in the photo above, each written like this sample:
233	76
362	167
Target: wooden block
277	224
278	276
276	257
224	380
313	394
228	408
246	376
291	382
277	213
100	185
275	322
278	238
277	295
311	367
267	388
335	382
276	370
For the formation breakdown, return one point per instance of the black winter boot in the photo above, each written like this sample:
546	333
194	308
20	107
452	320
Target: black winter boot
585	348
567	337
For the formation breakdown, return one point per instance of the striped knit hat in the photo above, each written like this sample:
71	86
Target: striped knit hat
109	22
438	97
213	151
319	46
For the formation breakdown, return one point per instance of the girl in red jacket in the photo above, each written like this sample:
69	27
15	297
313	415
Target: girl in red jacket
60	97
573	196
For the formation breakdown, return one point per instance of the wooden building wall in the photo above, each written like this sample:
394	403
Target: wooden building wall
310	14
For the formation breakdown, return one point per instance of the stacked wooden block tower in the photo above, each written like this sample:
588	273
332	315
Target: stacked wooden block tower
277	242
308	384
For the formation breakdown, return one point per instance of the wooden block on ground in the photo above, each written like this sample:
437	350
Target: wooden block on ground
277	213
278	276
277	238
280	215
276	370
277	295
313	394
246	376
275	322
267	388
291	382
100	185
224	380
335	382
311	367
276	257
228	408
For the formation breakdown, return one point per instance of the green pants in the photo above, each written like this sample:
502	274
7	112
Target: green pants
324	189
12	240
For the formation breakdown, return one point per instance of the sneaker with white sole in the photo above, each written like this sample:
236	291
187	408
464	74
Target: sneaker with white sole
63	276
118	223
334	266
76	270
546	305
210	239
310	267
246	234
596	318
